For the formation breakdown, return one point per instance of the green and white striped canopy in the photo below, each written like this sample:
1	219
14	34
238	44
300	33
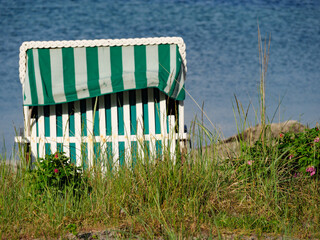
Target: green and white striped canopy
65	73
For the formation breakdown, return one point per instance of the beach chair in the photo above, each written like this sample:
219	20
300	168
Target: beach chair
103	98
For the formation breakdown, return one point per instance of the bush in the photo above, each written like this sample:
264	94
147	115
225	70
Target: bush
56	172
299	153
303	148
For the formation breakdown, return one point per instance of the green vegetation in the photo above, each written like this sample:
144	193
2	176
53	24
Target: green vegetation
57	173
201	195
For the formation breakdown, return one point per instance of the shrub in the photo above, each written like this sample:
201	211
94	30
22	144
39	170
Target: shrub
303	148
299	153
56	172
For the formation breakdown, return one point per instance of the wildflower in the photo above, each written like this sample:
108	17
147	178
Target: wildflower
56	170
291	156
316	139
311	170
250	162
56	156
296	175
281	135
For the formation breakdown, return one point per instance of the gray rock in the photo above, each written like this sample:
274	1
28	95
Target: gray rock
230	147
273	130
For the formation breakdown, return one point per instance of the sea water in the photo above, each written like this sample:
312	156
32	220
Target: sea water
222	51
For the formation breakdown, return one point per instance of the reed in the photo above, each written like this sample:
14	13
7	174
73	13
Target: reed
263	66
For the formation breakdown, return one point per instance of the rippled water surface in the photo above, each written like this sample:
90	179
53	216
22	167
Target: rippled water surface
222	50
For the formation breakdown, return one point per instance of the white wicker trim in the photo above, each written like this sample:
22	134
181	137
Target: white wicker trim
97	43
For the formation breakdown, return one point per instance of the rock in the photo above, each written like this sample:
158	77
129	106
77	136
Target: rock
273	130
230	147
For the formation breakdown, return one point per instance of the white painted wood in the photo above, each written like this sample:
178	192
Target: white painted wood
102	128
163	120
20	139
182	140
152	124
172	136
33	141
77	131
127	126
114	127
65	129
89	112
121	138
53	128
181	117
139	112
42	152
27	120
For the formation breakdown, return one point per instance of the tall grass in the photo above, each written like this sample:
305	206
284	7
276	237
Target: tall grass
263	65
202	196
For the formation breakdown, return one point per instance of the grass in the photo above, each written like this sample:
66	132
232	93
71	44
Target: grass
203	196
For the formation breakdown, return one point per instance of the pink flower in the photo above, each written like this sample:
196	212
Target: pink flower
316	139
291	156
311	170
56	170
281	135
56	156
250	162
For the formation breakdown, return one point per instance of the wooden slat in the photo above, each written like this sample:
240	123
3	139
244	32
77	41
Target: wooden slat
27	121
114	127
77	130
33	125
53	128
172	136
163	119
41	132
95	117
27	128
126	117
144	98
121	138
65	128
152	124
102	128
181	117
89	111
157	111
71	119
182	140
139	110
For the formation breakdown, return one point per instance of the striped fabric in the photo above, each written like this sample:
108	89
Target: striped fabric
61	75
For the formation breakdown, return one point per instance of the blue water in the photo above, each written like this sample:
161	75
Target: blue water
222	50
